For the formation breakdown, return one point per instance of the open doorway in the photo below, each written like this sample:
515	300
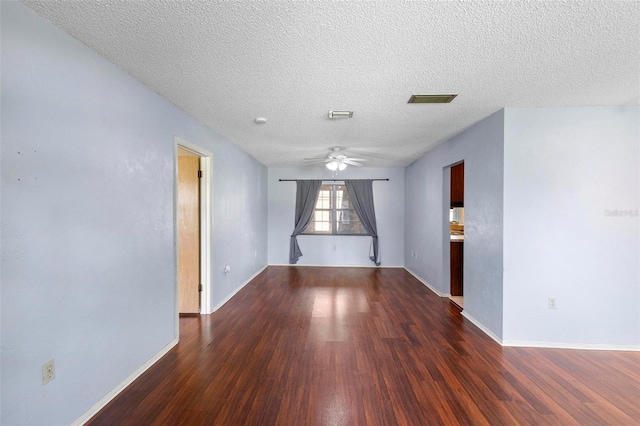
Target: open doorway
193	229
456	234
188	218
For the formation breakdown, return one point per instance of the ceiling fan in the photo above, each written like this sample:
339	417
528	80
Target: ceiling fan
337	159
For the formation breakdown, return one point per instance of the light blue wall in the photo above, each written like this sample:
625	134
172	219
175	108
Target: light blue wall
538	185
239	216
88	250
337	250
481	148
564	169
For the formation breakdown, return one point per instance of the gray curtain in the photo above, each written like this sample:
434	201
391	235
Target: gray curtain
361	196
306	196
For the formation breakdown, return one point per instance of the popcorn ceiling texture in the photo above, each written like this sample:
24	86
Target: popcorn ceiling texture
226	63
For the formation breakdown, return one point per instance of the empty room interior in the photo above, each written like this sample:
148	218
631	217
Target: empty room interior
320	212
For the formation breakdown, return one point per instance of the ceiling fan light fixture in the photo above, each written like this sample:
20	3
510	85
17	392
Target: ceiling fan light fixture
432	99
337	159
340	114
332	165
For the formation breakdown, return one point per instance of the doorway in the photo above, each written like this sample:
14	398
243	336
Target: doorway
192	229
456	234
189	286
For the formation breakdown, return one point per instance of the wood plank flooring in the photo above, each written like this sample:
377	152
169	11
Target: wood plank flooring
360	346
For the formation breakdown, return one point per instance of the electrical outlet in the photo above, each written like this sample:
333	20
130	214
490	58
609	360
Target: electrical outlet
48	371
552	303
255	254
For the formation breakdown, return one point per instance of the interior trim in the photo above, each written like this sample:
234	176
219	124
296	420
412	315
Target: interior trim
87	415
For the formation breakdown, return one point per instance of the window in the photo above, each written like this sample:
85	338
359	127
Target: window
334	214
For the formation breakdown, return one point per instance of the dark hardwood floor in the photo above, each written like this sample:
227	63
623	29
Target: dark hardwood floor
360	346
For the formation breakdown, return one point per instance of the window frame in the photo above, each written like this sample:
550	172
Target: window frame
333	214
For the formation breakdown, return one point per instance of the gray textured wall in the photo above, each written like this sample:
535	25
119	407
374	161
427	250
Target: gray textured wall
88	250
481	148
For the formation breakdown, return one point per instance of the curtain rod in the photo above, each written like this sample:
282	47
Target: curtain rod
325	180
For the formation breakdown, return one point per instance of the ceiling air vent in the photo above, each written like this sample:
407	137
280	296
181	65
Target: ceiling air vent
432	99
340	114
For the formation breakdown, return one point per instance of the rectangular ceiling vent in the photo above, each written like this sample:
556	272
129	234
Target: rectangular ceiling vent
432	99
340	114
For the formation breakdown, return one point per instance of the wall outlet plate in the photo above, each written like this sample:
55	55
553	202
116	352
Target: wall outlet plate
552	303
48	371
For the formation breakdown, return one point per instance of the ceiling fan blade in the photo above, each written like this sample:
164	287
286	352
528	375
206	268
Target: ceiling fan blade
336	154
317	160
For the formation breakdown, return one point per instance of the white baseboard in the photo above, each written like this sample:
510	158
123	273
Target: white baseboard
339	266
87	415
564	345
475	322
226	299
482	328
429	286
553	345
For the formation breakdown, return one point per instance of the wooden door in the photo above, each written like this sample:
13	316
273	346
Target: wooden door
457	185
189	234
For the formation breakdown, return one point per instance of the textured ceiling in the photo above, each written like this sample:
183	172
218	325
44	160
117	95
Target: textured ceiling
228	62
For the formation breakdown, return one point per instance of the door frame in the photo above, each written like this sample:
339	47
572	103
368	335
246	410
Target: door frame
206	210
446	230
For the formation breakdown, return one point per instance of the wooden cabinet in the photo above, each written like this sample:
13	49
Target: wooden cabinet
457	185
457	253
